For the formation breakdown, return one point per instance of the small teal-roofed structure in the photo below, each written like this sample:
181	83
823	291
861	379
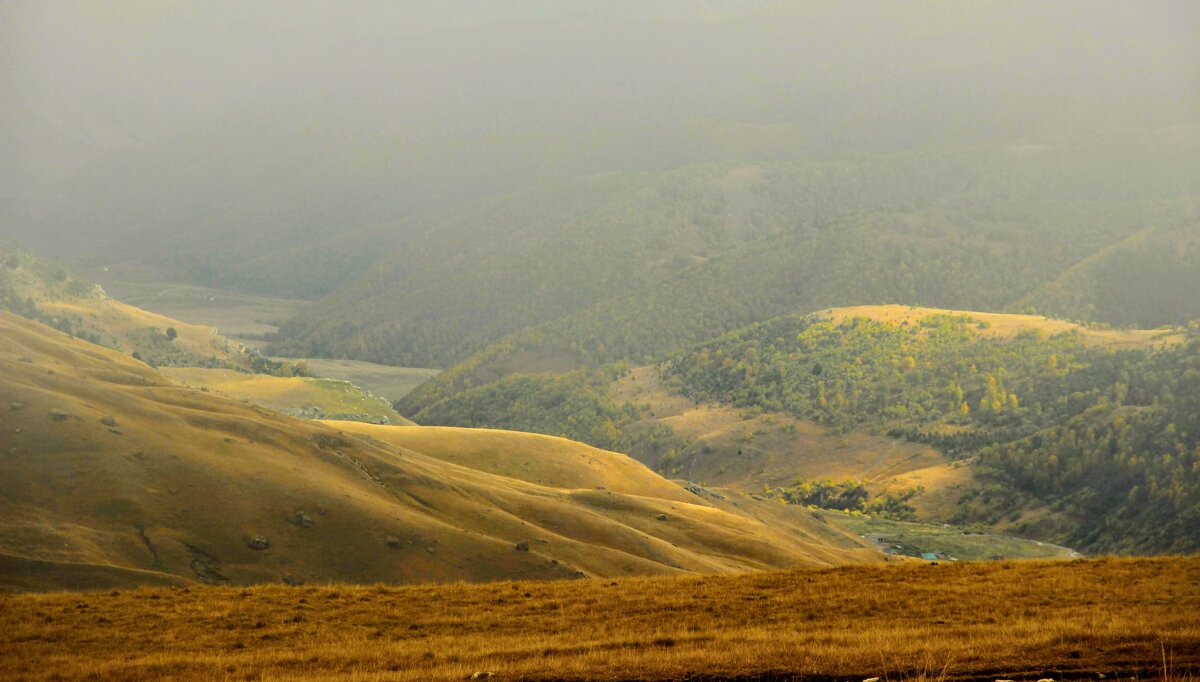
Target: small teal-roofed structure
929	556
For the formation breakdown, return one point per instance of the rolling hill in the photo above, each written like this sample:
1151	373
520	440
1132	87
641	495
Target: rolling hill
113	475
1081	435
47	292
635	266
1147	279
308	397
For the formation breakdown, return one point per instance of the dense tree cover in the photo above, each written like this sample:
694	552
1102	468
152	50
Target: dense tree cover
500	265
633	266
851	496
574	405
1108	439
1148	279
863	371
1127	468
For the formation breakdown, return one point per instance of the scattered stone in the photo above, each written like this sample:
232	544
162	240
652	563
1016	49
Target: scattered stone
871	679
522	546
393	542
661	517
480	675
17	405
431	549
108	420
114	430
258	542
299	518
59	415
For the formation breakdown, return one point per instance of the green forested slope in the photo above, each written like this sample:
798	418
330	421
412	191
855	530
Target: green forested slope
500	265
1148	279
1127	467
1097	427
1107	438
982	230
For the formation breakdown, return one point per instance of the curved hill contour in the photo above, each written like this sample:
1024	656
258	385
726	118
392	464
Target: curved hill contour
109	474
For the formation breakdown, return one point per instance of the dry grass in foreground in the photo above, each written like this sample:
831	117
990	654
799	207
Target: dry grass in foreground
1078	619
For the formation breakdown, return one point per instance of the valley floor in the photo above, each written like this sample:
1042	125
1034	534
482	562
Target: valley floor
1112	618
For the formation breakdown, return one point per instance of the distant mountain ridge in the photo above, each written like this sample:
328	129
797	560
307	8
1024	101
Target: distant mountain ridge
634	266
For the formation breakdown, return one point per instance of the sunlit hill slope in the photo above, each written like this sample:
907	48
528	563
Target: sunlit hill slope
111	475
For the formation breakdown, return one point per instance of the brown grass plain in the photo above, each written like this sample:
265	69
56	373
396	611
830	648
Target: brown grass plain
1083	619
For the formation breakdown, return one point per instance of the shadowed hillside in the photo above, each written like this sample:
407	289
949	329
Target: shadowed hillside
635	266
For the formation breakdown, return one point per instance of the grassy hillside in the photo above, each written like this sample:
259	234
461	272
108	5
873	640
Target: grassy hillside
308	397
107	464
386	381
947	543
1007	326
194	354
534	458
1123	619
1079	435
47	292
244	317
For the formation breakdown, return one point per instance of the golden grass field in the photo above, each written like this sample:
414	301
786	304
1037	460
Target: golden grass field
771	448
385	381
110	475
235	314
1001	325
736	455
1077	620
289	394
136	329
118	325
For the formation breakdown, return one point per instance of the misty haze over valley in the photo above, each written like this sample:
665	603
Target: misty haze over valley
581	339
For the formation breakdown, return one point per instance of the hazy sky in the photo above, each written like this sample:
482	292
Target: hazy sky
144	116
